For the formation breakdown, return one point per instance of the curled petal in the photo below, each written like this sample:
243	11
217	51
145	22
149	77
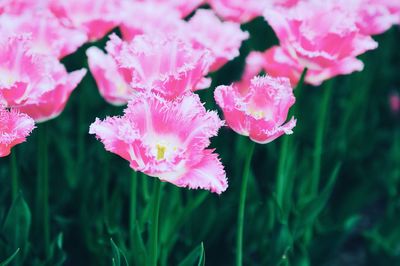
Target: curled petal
14	128
111	83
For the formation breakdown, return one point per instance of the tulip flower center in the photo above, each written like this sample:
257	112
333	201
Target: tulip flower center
161	151
165	148
7	78
257	114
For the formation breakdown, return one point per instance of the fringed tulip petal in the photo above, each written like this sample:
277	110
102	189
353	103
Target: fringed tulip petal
322	36
14	128
261	111
166	65
166	139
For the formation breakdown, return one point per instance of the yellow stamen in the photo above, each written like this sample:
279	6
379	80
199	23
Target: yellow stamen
160	151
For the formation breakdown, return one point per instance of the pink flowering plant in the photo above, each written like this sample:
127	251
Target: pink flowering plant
199	132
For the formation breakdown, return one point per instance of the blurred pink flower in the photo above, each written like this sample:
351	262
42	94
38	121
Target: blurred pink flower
166	65
254	66
259	112
112	84
321	36
394	101
43	105
20	71
240	11
18	7
151	18
373	16
47	34
167	140
243	11
183	7
96	18
223	39
14	128
36	84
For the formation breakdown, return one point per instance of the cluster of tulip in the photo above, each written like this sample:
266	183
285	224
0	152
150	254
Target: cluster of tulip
159	63
163	57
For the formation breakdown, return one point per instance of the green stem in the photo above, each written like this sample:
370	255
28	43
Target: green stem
145	189
282	174
132	210
14	175
242	204
153	244
319	137
282	177
43	187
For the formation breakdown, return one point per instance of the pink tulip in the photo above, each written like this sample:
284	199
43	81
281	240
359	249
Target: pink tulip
96	18
167	140
36	84
14	128
144	17
243	11
321	36
240	11
20	71
48	35
112	84
373	16
259	112
18	7
223	39
394	102
166	65
45	105
183	7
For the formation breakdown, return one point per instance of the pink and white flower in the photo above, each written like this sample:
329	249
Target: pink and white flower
149	18
183	7
20	71
373	16
223	39
113	85
14	128
96	18
43	105
35	84
240	11
47	35
261	111
19	7
322	36
167	140
168	66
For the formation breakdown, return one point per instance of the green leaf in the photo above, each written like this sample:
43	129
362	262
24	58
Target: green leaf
57	256
138	247
116	256
117	253
9	259
17	223
310	211
197	256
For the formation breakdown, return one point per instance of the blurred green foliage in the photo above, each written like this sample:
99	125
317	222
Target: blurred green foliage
350	218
